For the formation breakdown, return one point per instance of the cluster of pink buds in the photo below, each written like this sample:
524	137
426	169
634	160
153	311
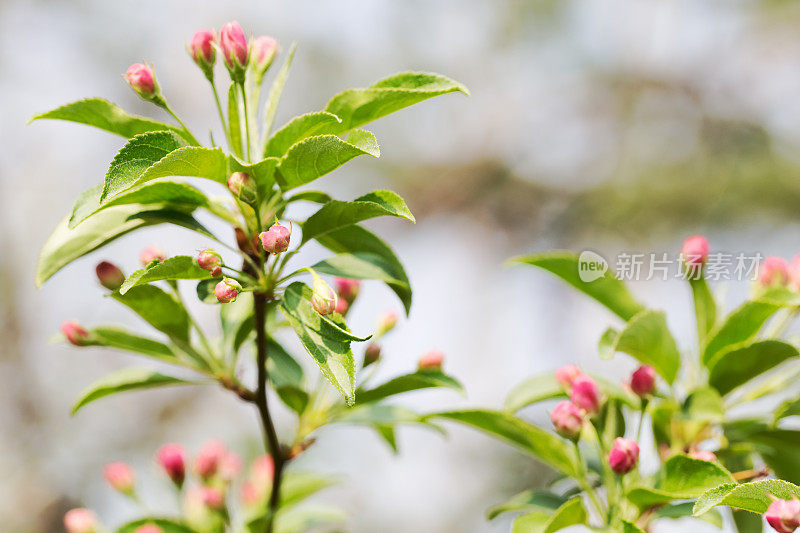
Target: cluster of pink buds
151	254
276	239
784	515
209	259
109	275
431	360
227	290
624	455
236	52
121	477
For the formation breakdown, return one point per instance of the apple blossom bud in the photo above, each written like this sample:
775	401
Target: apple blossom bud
75	333
109	275
567	374
585	394
242	186
261	472
703	455
120	476
276	239
213	498
773	272
171	459
208	459
431	361
209	259
229	466
643	381
567	418
323	298
250	494
694	252
234	48
784	515
202	50
80	521
227	290
142	80
150	254
347	288
371	353
149	528
341	306
623	456
386	323
263	53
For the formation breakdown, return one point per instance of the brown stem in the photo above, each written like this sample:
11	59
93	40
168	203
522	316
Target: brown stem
751	474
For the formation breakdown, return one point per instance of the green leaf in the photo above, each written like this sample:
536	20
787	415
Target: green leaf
338	214
121	339
739	326
274	98
546	387
537	442
680	478
647	338
406	383
318	197
305	518
705	308
205	291
298	485
571	513
753	496
172	268
284	370
777	447
65	245
682	510
299	128
161	154
316	156
169	194
106	116
124	380
737	364
357	107
630	527
325	340
379	413
528	500
167	525
234	119
607	290
357	240
364	265
157	308
788	408
704	405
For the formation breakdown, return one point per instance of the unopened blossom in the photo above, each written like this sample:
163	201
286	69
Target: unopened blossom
323	297
109	275
142	80
263	51
75	333
784	515
120	476
209	259
276	239
643	381
227	290
694	252
624	455
150	254
567	374
586	394
386	322
235	50
347	288
431	360
207	461
372	353
243	187
773	272
171	457
80	521
202	50
567	419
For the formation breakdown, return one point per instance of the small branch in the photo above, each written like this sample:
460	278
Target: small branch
754	473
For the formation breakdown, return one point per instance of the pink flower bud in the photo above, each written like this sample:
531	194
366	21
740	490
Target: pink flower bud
567	374
120	476
567	418
341	306
794	272
386	323
264	49
372	353
250	494
74	333
773	272
227	290
242	186
229	466
276	239
643	380
695	251
142	80
202	50
213	498
149	528
80	521
431	360
347	288
703	455
109	275
234	48
150	254
784	515
261	472
585	394
171	459
208	459
323	298
623	456
209	259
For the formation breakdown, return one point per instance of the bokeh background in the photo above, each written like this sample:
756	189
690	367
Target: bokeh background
613	125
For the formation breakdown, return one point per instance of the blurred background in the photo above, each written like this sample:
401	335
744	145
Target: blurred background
613	125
